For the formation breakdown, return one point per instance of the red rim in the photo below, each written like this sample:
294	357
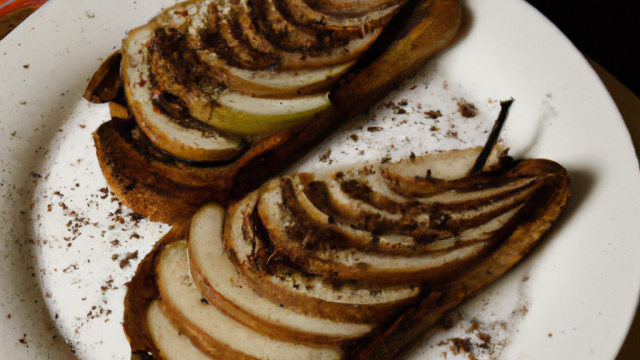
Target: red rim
20	4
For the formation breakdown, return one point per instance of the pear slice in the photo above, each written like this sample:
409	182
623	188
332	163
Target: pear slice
163	131
248	116
304	14
223	285
287	83
212	331
172	344
415	216
273	83
351	8
242	46
276	26
302	292
446	166
386	243
352	236
291	35
236	51
296	45
476	222
353	264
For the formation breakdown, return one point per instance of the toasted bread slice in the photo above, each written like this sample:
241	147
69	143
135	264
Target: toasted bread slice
476	226
222	284
534	220
404	47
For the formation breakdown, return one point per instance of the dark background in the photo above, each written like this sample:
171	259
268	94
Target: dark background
607	31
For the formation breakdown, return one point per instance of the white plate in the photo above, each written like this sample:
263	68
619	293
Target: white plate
582	282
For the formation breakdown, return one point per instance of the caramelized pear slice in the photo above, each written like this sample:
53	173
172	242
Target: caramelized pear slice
163	131
302	292
541	214
425	217
222	284
351	264
476	226
273	83
279	30
350	8
168	338
302	13
234	49
298	57
315	220
213	331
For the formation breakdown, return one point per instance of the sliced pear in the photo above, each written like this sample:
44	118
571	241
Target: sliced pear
351	8
298	291
351	263
304	14
164	132
298	46
445	166
168	70
428	212
477	222
222	284
212	331
236	51
353	236
352	50
248	116
250	29
545	210
392	244
173	345
290	82
450	165
186	21
273	83
280	30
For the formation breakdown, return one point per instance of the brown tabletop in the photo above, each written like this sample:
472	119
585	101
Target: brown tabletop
629	106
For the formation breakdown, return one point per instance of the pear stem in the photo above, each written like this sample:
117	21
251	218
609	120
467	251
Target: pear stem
493	137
